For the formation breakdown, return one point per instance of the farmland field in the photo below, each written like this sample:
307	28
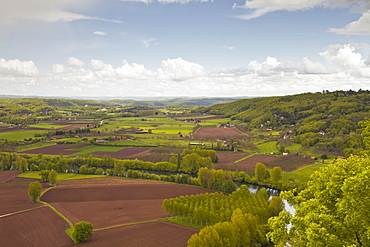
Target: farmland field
53	150
161	233
8	175
247	164
61	176
218	133
96	200
20	134
141	202
267	147
229	157
123	153
38	227
47	126
91	149
14	193
302	174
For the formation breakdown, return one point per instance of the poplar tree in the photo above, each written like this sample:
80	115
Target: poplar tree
52	177
34	191
260	171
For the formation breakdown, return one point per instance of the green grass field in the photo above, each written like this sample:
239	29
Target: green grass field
33	146
302	174
293	148
267	147
47	126
60	177
20	134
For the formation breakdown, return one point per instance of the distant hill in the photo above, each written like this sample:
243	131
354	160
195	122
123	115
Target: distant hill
135	100
278	110
178	101
327	121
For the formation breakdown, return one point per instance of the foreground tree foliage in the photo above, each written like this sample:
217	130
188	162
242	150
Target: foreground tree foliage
34	191
243	230
332	211
52	177
213	208
83	230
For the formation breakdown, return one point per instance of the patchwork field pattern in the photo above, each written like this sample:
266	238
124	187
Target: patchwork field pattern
100	204
105	202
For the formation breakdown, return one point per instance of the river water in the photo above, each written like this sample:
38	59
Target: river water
272	192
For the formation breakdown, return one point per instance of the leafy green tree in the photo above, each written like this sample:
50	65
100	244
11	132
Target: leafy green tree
6	161
21	164
119	169
229	186
260	171
83	169
99	171
276	205
109	172
52	177
62	165
190	163
332	210
44	175
83	230
34	191
276	173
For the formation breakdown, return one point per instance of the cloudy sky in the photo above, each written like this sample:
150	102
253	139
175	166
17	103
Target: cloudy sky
122	48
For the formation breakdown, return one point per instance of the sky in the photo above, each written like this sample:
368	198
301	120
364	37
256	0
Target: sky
194	48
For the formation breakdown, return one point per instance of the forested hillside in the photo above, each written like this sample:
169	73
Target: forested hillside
327	119
25	111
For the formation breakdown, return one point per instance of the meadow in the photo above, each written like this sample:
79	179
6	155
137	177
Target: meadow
61	176
20	134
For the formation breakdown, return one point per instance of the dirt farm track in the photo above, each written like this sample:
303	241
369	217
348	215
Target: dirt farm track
105	202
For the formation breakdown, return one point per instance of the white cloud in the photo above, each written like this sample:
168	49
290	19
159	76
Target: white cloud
43	10
101	33
226	47
167	1
74	62
58	69
183	1
142	1
359	27
344	58
346	69
294	5
134	71
309	67
150	42
17	67
179	69
268	64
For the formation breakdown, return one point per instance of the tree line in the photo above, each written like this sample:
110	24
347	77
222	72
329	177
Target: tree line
236	219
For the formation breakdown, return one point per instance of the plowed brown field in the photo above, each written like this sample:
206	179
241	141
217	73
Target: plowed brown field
251	161
217	133
155	234
39	227
100	204
14	193
229	157
6	176
124	153
105	202
54	149
247	164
